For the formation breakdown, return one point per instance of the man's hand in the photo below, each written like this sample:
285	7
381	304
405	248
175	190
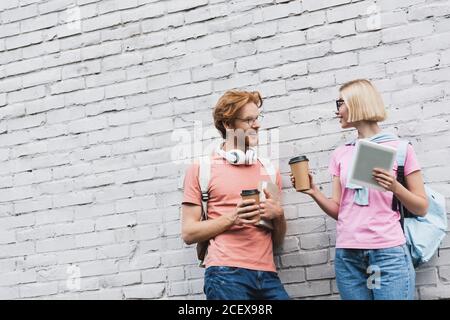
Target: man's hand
270	208
247	212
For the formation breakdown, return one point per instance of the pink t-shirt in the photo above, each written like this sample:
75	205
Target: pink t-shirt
246	246
374	226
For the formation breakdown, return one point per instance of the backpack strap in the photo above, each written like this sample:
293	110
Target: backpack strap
270	169
204	175
402	150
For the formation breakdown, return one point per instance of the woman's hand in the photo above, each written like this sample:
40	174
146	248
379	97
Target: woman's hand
385	179
310	191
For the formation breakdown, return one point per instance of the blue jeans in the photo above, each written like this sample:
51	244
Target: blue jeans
231	283
375	274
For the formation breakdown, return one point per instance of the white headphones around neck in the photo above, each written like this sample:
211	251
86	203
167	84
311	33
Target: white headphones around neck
238	157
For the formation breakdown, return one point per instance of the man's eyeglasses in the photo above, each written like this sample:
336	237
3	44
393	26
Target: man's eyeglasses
251	121
339	103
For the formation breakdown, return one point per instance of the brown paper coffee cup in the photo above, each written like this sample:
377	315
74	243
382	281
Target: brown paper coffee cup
300	170
255	194
251	194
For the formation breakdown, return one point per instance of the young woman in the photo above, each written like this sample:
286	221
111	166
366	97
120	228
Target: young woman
372	260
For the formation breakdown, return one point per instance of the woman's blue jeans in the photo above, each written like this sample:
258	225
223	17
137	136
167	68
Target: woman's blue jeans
375	274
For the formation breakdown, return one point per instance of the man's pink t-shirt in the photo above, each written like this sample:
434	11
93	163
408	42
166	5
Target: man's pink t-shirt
374	226
246	246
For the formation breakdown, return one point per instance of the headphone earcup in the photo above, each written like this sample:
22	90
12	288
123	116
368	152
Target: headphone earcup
236	157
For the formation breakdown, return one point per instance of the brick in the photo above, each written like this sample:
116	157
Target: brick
101	50
20	13
413	30
381	20
302	22
82	69
150	291
157	275
258	61
294	275
27	122
326	32
41	22
333	62
55	244
206	13
431	43
281	10
180	5
54	5
414	94
147	11
320	272
422	12
314	241
23	40
125	279
26	94
415	63
94	239
384	53
101	22
305	52
121	61
38	289
304	258
308	289
349	11
126	88
313	5
356	42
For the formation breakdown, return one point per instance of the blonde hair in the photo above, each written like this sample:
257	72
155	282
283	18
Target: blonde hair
363	101
230	104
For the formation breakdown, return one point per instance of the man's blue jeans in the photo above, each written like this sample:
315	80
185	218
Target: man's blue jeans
376	274
231	283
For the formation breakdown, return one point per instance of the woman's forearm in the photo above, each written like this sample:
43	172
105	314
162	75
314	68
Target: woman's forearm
329	206
414	203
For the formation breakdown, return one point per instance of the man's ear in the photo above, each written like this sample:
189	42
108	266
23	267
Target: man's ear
227	126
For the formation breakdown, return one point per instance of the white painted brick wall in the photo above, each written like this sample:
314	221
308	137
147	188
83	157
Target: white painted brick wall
91	91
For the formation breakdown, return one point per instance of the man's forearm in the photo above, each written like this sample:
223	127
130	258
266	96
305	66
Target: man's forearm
279	230
205	230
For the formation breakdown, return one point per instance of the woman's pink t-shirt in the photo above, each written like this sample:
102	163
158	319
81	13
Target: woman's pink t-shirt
374	226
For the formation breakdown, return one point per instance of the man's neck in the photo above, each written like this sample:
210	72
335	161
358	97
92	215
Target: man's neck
230	146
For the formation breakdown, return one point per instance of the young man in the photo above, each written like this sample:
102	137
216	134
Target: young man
239	263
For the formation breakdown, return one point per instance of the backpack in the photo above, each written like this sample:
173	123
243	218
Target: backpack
423	234
203	178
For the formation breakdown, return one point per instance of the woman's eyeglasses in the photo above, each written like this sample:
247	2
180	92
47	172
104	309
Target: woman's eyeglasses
339	103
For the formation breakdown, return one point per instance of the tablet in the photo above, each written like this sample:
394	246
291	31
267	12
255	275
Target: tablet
370	155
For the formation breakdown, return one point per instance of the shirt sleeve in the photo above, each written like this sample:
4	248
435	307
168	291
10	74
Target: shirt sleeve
192	193
334	167
411	163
